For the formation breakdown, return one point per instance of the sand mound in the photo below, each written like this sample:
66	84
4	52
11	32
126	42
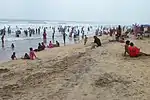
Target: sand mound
111	79
4	70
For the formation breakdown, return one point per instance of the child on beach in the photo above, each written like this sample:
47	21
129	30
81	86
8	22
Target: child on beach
126	47
85	40
13	57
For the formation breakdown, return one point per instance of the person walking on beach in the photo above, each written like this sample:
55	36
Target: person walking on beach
85	40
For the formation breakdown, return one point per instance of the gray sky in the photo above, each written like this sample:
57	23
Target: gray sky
111	11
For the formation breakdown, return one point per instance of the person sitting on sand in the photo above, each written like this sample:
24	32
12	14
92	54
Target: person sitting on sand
97	42
31	55
85	40
26	56
126	47
50	45
135	52
39	48
57	44
13	57
43	46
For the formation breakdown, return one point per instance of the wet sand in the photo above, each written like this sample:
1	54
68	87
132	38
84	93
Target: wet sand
76	72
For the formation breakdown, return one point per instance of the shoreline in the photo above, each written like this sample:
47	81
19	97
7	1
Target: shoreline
103	38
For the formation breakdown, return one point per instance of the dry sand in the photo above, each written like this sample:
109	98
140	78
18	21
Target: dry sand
76	72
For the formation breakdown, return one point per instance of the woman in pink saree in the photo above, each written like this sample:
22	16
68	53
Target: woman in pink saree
50	45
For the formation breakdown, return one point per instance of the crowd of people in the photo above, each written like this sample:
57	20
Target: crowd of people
119	32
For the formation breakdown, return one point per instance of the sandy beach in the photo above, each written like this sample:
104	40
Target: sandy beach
75	72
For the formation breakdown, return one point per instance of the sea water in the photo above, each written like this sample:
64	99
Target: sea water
23	43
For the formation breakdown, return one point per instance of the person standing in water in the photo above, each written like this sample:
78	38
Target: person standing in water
44	36
64	36
53	35
9	30
36	30
13	57
2	38
39	30
12	46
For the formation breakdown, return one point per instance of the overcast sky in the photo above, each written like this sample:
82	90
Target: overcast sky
118	11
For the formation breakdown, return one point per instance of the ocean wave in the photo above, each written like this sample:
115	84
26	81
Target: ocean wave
21	38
